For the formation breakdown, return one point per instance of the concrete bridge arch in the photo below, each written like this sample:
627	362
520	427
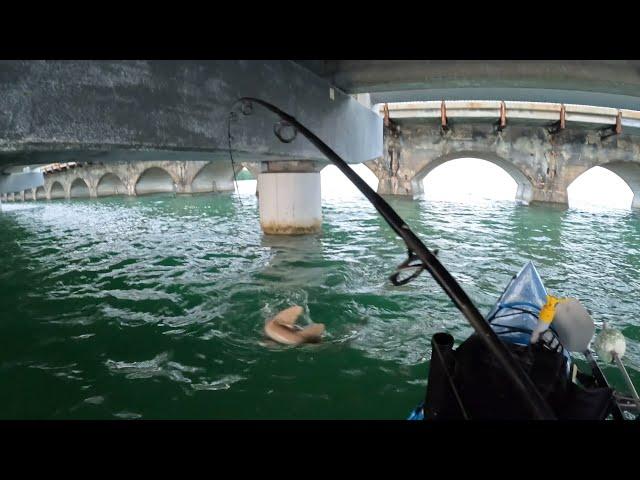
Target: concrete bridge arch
155	179
78	188
110	184
56	190
415	150
520	175
628	171
41	193
214	176
542	161
253	167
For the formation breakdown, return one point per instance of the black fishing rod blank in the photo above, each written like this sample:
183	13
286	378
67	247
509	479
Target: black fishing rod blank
417	250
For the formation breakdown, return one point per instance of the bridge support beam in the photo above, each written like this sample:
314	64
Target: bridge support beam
402	185
395	175
172	110
290	200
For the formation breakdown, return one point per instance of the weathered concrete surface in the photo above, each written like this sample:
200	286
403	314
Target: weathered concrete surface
59	111
290	198
606	83
543	164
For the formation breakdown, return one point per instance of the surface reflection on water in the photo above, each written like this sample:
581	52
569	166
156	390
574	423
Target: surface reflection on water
153	307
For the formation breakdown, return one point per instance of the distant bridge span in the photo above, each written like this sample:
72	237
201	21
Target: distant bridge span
543	146
132	179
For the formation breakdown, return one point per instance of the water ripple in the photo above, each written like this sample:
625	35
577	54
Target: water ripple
154	307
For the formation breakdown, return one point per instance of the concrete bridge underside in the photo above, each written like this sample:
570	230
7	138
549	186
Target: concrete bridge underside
604	83
161	126
142	116
104	111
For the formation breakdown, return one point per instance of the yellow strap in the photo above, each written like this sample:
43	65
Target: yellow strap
549	310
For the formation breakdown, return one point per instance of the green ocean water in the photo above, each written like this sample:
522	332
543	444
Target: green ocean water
153	307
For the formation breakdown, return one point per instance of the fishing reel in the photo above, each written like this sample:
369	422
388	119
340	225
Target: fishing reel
408	270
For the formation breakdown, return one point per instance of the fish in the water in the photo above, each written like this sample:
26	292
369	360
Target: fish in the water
283	329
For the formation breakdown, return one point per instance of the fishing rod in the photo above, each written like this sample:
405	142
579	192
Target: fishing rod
420	258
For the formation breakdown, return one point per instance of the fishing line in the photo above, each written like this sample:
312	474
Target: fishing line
528	392
232	115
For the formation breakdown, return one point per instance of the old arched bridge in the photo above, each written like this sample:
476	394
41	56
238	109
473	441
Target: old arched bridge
543	146
77	180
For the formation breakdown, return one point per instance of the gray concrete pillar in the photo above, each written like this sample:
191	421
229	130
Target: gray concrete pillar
290	198
179	187
395	178
395	175
550	186
556	196
93	191
131	187
400	184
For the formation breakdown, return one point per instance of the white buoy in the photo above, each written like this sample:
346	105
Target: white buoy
608	342
610	345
